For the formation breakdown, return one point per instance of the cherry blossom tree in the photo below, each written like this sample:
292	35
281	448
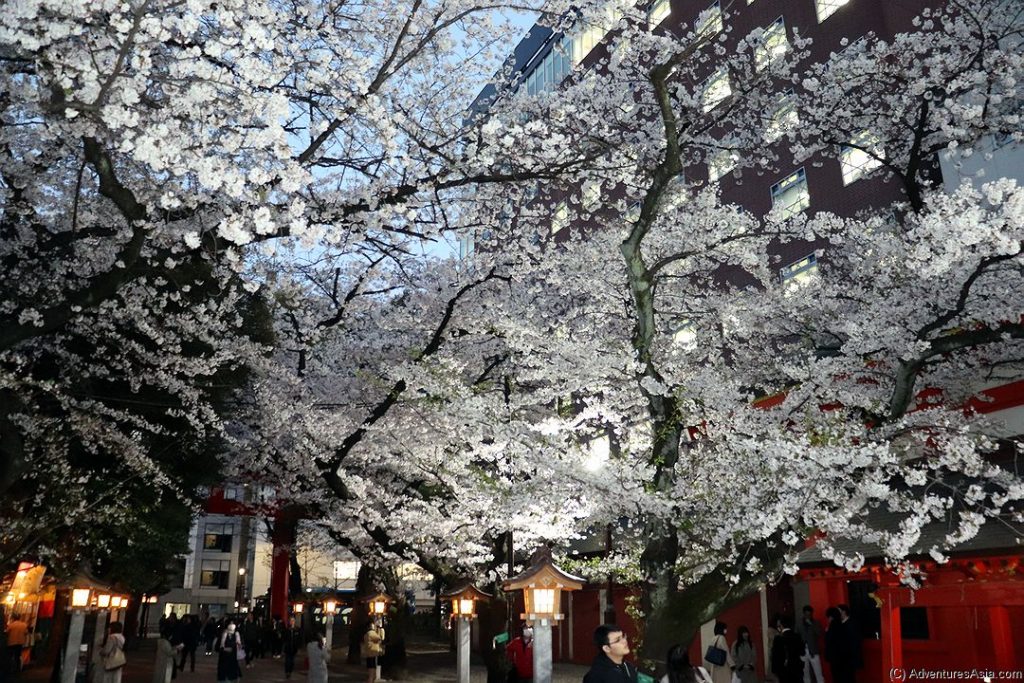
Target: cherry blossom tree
159	162
660	323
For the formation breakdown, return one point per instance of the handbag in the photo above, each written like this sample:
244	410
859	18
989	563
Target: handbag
115	660
715	655
240	653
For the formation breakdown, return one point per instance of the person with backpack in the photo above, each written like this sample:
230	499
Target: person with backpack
230	649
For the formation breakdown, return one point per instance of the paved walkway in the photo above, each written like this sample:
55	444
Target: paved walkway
428	663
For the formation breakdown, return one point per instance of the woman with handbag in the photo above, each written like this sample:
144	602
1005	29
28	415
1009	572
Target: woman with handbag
718	658
744	657
230	652
112	654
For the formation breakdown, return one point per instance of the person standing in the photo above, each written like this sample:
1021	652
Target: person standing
372	647
744	656
519	653
276	637
189	641
227	659
842	645
787	652
165	654
721	672
291	642
112	653
810	631
679	670
210	634
251	638
17	638
318	657
610	665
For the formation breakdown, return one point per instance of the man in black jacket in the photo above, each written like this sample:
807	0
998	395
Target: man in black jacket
787	650
610	666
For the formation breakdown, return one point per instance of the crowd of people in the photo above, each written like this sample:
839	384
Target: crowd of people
235	643
795	653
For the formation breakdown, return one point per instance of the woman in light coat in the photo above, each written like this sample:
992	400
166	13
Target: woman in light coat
720	673
112	650
165	654
318	657
744	656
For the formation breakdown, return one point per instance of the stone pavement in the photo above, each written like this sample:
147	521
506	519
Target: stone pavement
427	663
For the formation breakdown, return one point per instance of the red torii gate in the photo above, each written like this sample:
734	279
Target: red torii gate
285	520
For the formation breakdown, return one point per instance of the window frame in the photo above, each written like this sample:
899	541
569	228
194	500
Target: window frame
226	531
657	12
824	9
706	103
796	179
220	577
764	53
852	171
712	18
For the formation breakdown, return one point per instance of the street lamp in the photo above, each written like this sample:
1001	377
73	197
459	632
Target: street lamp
330	606
463	598
103	600
79	604
542	585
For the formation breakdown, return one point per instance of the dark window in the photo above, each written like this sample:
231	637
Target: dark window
914	623
218	537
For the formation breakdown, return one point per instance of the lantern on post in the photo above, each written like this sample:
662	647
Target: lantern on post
330	607
378	604
81	596
463	598
542	585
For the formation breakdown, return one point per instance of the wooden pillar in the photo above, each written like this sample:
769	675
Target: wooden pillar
892	640
283	538
1002	639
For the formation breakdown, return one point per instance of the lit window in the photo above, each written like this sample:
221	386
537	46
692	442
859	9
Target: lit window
784	118
790	194
215	573
716	90
552	69
218	537
710	21
591	32
799	272
658	12
559	218
720	163
772	46
232	492
860	157
826	8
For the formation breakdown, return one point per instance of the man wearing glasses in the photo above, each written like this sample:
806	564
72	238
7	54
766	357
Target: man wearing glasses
610	665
